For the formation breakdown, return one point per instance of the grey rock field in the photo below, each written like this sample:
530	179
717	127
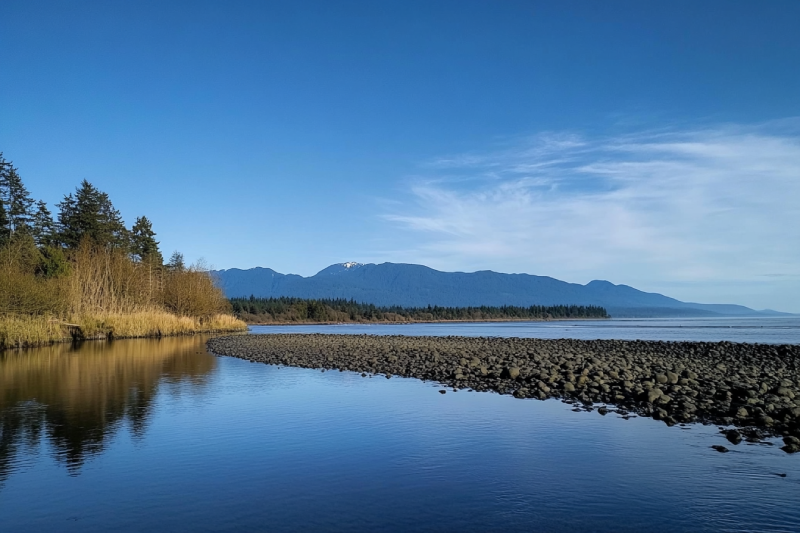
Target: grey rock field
755	387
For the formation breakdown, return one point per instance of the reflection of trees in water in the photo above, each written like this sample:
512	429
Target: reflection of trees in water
78	396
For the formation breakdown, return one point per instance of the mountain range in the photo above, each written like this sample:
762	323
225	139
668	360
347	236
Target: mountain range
419	286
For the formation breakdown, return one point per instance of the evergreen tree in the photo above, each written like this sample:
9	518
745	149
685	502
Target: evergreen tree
17	199
5	226
90	213
176	263
144	246
42	226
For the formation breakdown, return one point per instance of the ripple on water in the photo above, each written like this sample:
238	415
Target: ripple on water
243	446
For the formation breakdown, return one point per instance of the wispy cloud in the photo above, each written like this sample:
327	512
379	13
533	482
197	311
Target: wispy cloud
715	205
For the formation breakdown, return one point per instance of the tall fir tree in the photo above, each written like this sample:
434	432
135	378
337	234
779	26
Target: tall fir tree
5	226
90	213
17	199
176	262
144	246
42	226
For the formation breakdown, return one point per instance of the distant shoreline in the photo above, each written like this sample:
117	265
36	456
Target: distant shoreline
410	322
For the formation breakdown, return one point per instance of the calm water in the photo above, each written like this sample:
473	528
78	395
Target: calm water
160	435
761	330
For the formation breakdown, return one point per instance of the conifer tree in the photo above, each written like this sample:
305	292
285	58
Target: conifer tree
17	199
176	262
5	227
90	213
144	246
42	226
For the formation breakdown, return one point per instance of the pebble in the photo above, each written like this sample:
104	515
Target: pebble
750	386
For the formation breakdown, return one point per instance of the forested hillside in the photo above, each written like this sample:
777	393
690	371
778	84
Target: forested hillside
282	310
412	285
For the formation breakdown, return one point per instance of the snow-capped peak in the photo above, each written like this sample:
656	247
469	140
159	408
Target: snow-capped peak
339	268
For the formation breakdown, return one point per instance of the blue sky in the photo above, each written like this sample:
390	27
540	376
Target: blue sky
651	144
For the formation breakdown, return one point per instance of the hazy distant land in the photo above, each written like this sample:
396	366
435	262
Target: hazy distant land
418	286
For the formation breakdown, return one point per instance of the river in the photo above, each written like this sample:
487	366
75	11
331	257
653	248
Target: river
161	435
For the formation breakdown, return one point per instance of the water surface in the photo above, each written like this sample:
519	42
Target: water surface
784	330
160	435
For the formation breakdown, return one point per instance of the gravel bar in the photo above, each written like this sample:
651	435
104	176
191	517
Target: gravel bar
754	387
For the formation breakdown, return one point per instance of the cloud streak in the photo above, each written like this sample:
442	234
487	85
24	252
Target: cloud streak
717	207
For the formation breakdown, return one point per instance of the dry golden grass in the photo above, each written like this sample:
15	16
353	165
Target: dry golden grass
107	295
24	331
153	324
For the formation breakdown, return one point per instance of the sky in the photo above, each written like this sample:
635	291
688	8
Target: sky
653	144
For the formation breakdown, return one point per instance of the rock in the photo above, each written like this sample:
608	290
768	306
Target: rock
671	381
720	449
791	448
654	395
733	436
789	439
442	391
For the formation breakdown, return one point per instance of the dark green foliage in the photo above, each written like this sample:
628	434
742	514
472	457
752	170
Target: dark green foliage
15	197
144	246
54	262
5	226
42	227
176	262
90	213
286	309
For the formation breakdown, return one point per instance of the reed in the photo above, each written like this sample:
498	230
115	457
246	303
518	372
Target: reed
153	323
21	331
105	294
24	330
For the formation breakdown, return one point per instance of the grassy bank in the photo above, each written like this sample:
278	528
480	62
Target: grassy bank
28	331
85	274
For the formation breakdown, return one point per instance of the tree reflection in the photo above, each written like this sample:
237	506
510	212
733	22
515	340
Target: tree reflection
78	396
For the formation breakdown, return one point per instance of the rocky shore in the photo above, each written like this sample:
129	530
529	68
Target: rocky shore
755	387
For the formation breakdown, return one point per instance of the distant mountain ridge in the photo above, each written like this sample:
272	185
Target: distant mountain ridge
411	285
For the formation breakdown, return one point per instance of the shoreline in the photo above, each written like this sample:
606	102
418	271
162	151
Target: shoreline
410	322
754	387
63	340
20	332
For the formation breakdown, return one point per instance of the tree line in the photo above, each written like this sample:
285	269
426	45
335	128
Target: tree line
85	262
288	309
